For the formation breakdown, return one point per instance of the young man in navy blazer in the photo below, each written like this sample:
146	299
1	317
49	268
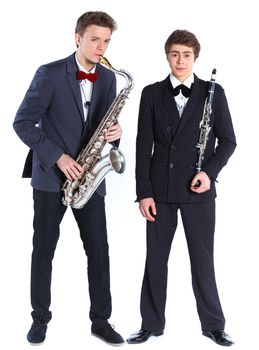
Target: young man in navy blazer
166	155
56	118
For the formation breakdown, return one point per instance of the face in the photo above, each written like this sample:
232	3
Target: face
92	44
181	59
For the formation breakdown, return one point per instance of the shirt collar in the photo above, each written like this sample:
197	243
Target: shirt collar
188	82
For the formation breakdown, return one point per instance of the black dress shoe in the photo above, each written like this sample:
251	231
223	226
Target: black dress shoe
142	336
107	333
219	337
37	333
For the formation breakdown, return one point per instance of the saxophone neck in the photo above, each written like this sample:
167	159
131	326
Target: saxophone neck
128	77
129	80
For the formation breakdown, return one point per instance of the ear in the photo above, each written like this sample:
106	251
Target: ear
77	39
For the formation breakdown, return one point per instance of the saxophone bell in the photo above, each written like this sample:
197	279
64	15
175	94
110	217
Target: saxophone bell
92	178
117	160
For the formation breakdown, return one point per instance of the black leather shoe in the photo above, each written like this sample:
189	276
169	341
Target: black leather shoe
219	337
142	336
107	333
37	333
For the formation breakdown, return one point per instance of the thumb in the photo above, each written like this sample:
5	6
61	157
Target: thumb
153	208
194	180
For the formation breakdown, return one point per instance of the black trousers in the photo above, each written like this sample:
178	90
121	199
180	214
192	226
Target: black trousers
199	223
48	214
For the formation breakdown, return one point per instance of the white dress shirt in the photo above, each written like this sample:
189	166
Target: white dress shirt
180	99
86	88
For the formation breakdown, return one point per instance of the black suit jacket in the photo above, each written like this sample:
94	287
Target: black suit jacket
166	152
50	119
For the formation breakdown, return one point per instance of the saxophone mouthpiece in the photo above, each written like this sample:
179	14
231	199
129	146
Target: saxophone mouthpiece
103	60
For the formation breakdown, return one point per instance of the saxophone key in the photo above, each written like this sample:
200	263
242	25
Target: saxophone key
98	145
86	166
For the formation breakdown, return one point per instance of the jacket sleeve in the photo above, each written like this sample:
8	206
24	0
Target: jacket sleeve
224	132
144	146
29	115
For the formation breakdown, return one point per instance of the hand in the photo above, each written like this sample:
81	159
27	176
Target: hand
204	180
113	133
69	167
147	208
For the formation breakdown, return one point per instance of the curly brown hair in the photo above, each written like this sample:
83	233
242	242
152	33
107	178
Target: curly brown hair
183	37
97	18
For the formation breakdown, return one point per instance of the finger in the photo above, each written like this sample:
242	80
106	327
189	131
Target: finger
148	215
142	211
198	189
194	181
77	171
112	134
114	127
114	130
111	129
66	173
74	174
78	167
112	138
153	209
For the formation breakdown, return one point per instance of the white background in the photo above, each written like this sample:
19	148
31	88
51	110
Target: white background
37	32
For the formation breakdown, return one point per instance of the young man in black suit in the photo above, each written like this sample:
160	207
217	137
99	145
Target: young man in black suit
59	114
166	155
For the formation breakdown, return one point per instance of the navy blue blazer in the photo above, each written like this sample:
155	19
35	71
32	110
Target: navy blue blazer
166	152
50	119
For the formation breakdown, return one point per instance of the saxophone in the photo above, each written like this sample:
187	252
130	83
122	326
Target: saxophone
78	192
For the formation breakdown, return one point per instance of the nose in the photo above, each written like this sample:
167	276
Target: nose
180	58
101	46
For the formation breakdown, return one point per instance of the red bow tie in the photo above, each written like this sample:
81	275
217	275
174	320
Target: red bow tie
80	75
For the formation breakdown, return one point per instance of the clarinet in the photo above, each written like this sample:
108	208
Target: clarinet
205	125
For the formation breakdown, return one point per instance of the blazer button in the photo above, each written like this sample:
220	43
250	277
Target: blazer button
168	129
171	165
173	147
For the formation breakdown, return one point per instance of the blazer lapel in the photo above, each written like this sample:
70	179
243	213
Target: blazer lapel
74	84
191	105
170	104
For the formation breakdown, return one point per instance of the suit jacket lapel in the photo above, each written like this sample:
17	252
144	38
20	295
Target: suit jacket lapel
74	84
170	104
191	105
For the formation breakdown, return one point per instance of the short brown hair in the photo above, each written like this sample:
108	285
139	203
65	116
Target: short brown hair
183	37
98	18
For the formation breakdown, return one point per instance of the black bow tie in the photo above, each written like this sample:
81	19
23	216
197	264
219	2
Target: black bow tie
184	89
